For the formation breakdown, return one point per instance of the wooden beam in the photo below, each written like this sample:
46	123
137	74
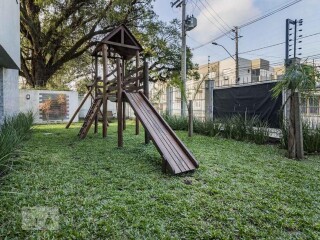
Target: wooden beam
146	93
122	36
137	84
130	73
96	72
122	45
124	125
78	109
119	101
104	91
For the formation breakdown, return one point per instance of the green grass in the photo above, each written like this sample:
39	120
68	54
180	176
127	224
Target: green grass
240	191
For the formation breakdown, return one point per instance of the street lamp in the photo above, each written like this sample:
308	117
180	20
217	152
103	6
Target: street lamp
235	59
217	44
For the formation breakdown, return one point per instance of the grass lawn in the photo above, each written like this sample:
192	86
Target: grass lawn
240	191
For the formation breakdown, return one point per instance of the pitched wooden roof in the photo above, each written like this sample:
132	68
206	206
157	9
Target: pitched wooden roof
122	41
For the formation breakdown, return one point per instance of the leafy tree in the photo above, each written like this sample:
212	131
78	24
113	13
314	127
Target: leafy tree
162	46
299	78
54	32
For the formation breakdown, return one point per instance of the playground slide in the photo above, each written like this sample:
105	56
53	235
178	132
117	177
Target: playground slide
173	151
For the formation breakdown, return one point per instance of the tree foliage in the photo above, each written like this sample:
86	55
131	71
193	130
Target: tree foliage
54	32
298	77
162	46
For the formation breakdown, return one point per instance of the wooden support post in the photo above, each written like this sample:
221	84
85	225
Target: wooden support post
146	93
78	109
104	91
124	104
137	120
119	101
164	165
190	128
124	115
96	72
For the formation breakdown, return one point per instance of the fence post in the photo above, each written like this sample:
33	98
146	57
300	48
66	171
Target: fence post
190	128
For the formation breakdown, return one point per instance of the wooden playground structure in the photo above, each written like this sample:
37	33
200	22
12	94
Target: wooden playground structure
117	49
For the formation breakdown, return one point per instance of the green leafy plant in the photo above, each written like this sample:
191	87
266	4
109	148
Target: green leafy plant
13	130
299	77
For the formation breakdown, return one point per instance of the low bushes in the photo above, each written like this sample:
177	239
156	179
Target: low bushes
311	137
177	122
12	131
235	127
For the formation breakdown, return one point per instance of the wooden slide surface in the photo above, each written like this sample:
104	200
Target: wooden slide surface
168	144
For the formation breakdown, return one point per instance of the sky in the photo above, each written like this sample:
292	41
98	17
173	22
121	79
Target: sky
214	16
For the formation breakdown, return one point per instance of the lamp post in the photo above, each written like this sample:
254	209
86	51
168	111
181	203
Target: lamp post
235	59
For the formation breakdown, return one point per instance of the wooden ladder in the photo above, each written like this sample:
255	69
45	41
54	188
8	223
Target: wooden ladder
93	111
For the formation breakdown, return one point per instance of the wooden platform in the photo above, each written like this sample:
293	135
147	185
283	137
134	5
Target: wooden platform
173	151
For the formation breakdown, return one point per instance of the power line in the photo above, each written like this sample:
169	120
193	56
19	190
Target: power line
270	13
277	44
257	49
224	33
227	30
252	21
218	15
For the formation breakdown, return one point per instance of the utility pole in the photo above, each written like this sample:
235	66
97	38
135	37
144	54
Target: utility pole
183	60
295	136
292	25
187	24
236	38
208	67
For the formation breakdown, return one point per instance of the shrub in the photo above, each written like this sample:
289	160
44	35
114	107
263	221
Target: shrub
176	122
209	127
12	132
235	127
311	137
257	130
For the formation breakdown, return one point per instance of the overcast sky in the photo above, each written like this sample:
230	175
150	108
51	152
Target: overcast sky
266	32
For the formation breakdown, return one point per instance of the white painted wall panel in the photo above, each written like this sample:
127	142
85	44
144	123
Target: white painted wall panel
10	28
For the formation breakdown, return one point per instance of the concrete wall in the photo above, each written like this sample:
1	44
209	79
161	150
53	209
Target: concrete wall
9	57
10	28
36	97
112	106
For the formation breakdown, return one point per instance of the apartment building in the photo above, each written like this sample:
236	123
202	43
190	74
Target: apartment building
216	75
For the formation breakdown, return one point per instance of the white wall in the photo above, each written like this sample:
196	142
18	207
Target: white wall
9	57
10	92
227	74
10	28
112	106
244	71
33	103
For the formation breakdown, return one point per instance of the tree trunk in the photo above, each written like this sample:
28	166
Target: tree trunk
291	128
40	73
298	128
